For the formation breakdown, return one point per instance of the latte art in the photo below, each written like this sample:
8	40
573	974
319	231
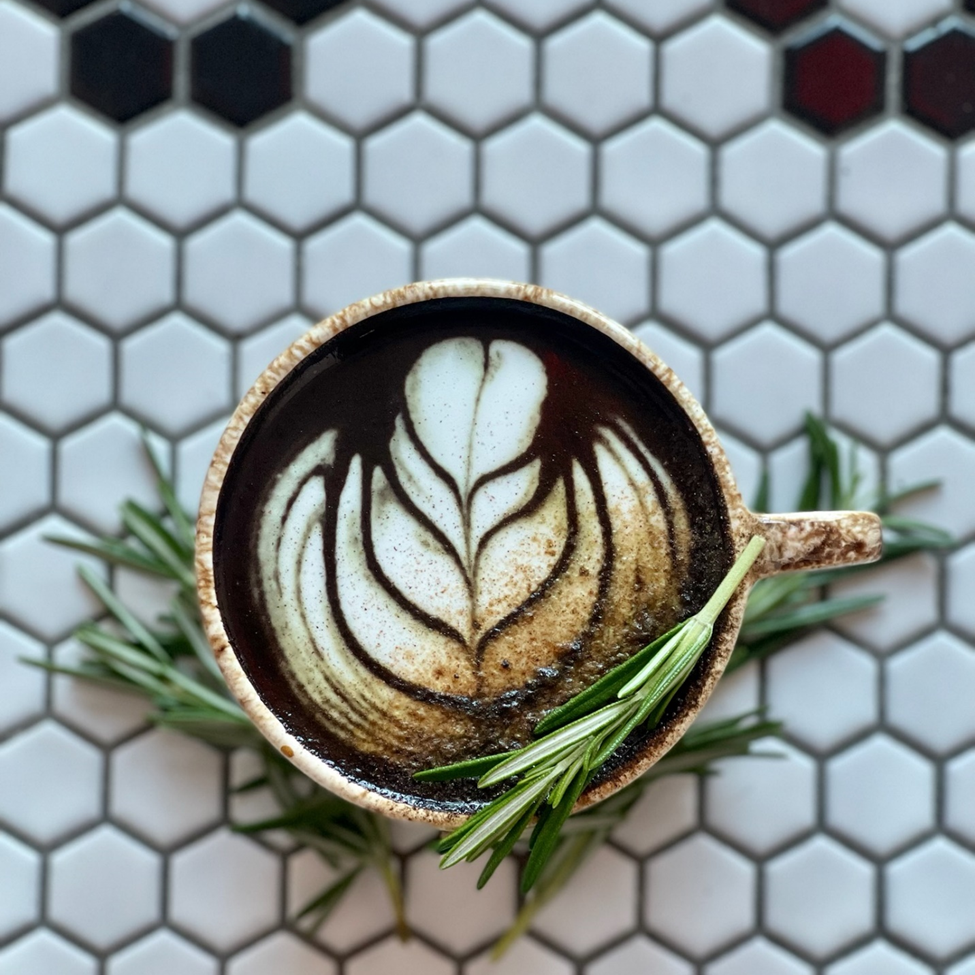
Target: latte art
452	566
470	524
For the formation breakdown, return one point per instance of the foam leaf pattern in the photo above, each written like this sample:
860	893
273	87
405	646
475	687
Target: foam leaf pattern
472	412
474	408
467	558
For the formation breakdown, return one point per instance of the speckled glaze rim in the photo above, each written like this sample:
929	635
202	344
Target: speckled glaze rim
818	539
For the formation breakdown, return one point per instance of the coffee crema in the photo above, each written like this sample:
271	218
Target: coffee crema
450	518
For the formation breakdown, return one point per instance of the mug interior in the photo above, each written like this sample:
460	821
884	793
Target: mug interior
361	719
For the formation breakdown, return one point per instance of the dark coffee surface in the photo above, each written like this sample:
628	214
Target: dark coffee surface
619	499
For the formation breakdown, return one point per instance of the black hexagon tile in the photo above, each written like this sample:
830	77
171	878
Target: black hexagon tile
62	8
939	80
301	11
121	66
776	15
240	69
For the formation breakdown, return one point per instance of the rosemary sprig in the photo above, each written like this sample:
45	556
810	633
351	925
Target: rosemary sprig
348	838
584	833
125	654
172	667
780	611
574	741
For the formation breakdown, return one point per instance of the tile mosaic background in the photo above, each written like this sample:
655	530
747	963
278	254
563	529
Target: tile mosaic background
778	195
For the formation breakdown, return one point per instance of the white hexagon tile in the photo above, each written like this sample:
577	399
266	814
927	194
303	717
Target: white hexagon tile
735	269
819	898
880	795
654	153
180	169
28	266
829	283
715	77
299	172
483	56
56	352
778	199
29	53
535	175
773	180
617	85
700	896
61	164
417	174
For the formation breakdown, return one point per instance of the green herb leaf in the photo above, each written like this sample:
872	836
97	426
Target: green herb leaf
502	814
319	907
808	615
167	494
471	768
503	849
115	553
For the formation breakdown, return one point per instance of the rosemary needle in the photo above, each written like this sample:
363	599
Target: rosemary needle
575	740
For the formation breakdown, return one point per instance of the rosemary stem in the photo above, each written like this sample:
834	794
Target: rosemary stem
724	592
695	633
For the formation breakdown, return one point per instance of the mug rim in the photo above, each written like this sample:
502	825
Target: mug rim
740	525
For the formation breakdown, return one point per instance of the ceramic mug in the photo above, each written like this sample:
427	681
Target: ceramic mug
448	508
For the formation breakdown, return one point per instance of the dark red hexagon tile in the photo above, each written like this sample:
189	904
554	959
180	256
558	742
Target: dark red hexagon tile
121	66
240	70
776	15
939	80
834	79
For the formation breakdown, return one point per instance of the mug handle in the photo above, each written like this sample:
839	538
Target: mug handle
817	540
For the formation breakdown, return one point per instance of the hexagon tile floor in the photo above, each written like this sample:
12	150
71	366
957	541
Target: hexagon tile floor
778	195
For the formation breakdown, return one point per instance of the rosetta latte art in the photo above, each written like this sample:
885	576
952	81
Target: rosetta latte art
467	561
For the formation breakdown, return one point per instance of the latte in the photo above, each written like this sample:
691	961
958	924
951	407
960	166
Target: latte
448	519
